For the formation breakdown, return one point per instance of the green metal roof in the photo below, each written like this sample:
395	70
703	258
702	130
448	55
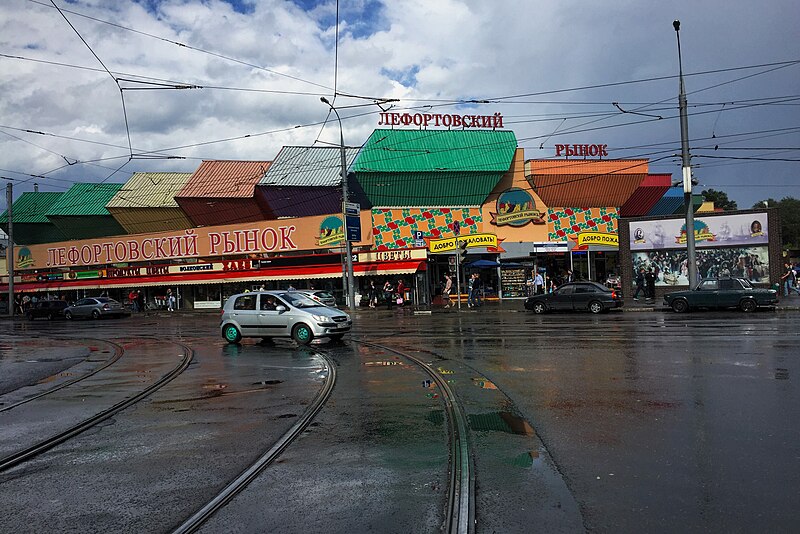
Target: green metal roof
31	208
437	150
433	167
84	199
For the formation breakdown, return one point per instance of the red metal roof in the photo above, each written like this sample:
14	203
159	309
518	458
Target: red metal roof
646	195
585	183
224	179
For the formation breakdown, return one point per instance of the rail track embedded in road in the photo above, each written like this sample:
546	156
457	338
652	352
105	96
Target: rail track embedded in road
47	444
118	352
248	475
460	517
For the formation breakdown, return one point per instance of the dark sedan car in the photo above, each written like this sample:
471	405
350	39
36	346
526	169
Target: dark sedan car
721	293
576	296
95	307
48	309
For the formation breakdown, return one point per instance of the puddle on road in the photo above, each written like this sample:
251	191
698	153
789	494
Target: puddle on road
781	374
500	422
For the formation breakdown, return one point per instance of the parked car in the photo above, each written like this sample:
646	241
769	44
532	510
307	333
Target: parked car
268	314
95	307
576	296
723	292
49	309
324	297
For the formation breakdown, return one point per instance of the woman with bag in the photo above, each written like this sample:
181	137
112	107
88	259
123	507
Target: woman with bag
388	293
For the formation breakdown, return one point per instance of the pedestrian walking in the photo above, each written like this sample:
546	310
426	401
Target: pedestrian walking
401	292
640	284
538	283
373	294
448	287
132	298
170	300
788	279
477	287
388	293
650	280
140	300
470	283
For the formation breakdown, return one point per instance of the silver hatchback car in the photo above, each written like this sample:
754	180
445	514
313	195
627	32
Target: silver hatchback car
268	314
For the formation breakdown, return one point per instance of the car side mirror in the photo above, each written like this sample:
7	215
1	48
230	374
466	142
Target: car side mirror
280	309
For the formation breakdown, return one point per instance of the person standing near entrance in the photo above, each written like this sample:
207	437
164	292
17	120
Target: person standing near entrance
134	302
640	284
538	283
388	293
170	300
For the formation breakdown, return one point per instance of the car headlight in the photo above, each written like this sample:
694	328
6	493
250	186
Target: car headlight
321	318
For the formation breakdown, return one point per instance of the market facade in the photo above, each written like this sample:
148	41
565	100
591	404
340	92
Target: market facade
233	225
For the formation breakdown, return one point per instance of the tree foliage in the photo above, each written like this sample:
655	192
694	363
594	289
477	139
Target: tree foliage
789	210
720	199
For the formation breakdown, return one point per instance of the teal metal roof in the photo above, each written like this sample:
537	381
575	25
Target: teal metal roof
404	168
306	166
437	151
84	199
31	208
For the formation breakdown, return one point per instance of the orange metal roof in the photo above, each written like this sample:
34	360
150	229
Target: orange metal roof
585	183
224	179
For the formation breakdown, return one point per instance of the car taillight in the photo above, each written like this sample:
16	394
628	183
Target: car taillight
613	295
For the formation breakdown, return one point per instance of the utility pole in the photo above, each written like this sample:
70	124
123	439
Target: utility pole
10	249
686	167
348	279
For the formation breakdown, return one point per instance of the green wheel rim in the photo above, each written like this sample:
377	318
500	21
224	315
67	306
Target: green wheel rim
303	333
230	333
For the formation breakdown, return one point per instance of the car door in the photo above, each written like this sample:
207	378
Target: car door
245	313
83	308
705	295
730	292
581	295
273	322
561	298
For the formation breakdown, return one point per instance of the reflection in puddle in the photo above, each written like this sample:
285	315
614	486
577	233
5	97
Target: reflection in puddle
500	422
525	459
484	383
383	363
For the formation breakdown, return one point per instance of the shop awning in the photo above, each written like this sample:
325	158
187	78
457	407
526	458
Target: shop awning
308	272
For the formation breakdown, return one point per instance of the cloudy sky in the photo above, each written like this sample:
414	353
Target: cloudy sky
238	79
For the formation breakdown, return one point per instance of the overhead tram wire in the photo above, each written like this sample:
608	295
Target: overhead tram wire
188	47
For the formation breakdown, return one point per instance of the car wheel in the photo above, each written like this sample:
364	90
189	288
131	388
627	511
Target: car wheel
539	307
68	316
95	314
302	334
680	306
748	305
231	334
595	306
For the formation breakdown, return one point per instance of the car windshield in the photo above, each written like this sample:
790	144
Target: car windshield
745	283
323	294
298	300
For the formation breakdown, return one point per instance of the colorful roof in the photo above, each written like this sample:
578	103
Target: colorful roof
81	212
433	167
31	225
585	183
224	179
646	195
150	190
306	166
146	203
669	202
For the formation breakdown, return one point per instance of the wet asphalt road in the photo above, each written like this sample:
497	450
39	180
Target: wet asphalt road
624	422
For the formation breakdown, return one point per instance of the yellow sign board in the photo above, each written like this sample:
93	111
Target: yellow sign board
472	240
598	238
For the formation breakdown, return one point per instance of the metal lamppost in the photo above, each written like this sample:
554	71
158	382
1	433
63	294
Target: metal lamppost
349	282
686	167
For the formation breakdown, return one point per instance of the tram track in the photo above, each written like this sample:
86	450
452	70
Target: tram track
118	352
31	452
195	522
460	515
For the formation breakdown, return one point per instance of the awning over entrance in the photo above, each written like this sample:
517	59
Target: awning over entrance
307	272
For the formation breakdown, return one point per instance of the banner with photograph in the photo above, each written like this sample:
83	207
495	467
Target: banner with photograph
671	267
746	229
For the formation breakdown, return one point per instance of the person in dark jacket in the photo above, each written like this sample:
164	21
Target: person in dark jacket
650	278
640	284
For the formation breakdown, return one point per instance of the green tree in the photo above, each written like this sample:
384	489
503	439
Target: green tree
720	199
789	210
